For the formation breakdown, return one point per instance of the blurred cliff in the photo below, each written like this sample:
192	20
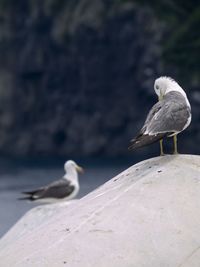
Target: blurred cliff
76	77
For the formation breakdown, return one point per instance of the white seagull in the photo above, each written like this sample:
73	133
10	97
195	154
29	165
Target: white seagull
65	188
168	117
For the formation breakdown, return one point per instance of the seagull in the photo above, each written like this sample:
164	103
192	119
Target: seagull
65	188
167	118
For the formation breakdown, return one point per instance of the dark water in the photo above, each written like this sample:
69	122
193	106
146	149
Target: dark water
16	177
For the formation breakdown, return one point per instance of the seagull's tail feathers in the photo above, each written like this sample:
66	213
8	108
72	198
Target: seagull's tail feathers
30	195
144	140
31	198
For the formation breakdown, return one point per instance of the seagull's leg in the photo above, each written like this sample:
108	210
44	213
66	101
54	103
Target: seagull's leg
175	144
161	148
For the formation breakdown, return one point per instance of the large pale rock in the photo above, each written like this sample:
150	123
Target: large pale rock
147	216
33	219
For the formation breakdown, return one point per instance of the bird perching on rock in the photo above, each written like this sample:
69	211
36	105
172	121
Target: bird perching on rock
65	188
167	118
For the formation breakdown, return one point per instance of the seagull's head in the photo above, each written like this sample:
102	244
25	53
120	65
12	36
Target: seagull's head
70	164
164	85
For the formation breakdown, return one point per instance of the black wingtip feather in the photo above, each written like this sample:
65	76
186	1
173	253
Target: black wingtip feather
30	192
27	198
144	140
29	195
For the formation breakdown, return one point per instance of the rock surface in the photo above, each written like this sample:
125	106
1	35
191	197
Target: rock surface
146	216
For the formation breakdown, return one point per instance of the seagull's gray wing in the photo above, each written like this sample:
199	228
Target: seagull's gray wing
58	189
171	117
166	117
154	110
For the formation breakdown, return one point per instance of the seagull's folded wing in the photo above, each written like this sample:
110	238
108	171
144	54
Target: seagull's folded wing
171	117
166	117
58	189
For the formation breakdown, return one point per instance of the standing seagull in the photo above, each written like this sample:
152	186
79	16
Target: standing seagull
168	117
65	188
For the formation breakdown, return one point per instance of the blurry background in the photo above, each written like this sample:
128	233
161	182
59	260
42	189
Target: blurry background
76	82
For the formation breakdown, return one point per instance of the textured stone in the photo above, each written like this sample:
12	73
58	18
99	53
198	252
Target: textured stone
146	216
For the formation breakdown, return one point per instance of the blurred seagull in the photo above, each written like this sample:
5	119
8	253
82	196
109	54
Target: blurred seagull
65	188
168	117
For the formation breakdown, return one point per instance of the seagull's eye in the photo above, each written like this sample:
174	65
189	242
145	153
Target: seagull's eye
157	87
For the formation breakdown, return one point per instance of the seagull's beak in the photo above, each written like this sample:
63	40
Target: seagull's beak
161	94
160	97
79	169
